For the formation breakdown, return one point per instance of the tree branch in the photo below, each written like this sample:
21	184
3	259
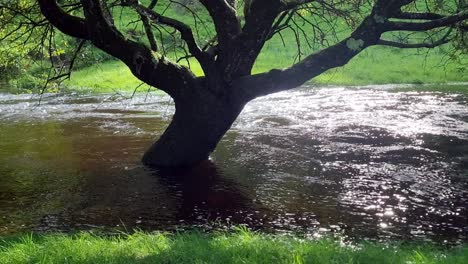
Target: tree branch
225	20
260	18
150	68
423	26
68	24
428	45
288	5
184	29
238	56
149	33
367	34
418	16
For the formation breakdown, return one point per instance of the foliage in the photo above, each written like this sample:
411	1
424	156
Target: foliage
30	46
12	52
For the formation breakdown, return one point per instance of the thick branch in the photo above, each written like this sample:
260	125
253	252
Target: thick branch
423	26
367	34
418	16
153	4
237	57
259	20
288	5
431	44
225	19
68	24
149	33
428	45
153	70
279	80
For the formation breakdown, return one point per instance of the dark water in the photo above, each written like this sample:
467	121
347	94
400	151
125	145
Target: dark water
364	163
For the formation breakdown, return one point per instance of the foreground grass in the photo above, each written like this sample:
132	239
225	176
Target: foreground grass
195	247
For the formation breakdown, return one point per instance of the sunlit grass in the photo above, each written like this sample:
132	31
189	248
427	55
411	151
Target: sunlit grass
195	247
452	88
375	66
111	76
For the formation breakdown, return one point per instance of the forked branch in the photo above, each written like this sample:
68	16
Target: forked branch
97	27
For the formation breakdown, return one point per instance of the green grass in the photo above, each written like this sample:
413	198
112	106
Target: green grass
378	65
451	88
108	77
381	65
195	247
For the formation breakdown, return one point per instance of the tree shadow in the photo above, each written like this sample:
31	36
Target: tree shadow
207	196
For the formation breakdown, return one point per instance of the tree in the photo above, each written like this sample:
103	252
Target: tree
206	107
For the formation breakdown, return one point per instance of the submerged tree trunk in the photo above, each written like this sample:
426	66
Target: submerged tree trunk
207	106
199	123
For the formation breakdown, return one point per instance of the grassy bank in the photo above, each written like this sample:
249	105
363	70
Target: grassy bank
99	72
377	65
194	247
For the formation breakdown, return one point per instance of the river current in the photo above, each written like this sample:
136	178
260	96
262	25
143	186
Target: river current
370	162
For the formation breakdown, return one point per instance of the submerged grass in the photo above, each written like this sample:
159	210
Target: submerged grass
196	247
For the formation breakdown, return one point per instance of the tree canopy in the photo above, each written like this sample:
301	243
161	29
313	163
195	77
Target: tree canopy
226	36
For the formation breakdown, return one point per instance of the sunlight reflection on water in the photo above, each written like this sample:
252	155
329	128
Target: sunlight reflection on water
359	162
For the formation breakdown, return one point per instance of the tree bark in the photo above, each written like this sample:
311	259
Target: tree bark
207	107
199	123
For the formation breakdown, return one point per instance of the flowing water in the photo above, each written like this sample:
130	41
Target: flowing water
363	163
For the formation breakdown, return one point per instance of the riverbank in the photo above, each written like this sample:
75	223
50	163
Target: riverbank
379	65
194	247
98	72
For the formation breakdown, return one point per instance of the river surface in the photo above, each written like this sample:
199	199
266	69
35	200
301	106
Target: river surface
367	163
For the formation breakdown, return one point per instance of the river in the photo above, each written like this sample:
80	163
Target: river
369	163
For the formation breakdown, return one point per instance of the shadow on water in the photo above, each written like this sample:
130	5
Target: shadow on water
209	198
364	163
199	197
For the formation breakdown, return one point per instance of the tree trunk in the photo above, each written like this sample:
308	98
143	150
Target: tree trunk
199	123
